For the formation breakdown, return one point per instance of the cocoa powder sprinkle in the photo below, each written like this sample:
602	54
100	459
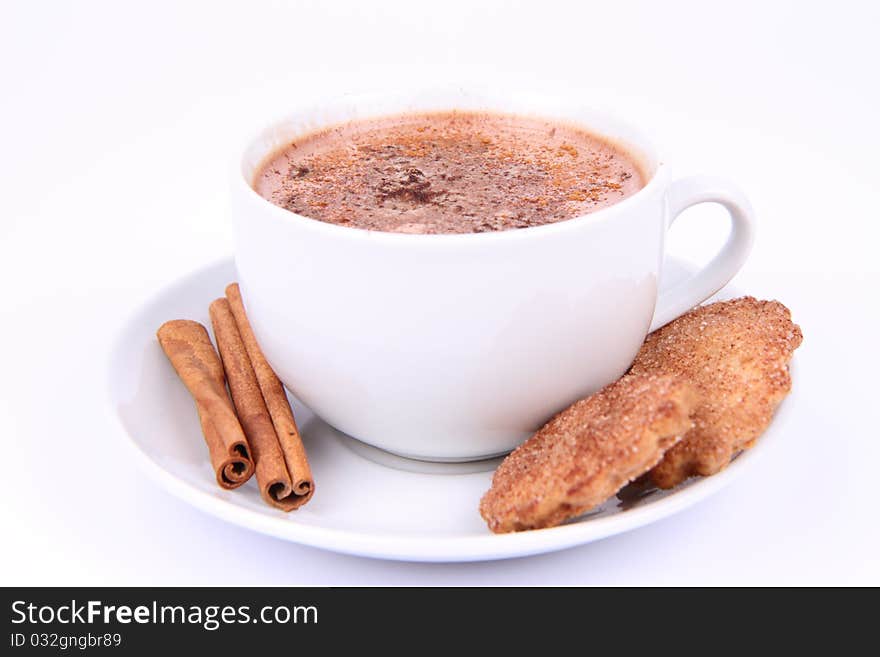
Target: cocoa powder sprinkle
455	172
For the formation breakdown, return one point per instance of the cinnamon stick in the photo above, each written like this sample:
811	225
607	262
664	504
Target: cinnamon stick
276	401
281	485
189	348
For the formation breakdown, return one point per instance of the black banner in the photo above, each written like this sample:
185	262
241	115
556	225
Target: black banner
247	620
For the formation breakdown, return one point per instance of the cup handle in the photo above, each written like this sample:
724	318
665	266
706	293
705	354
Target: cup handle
681	195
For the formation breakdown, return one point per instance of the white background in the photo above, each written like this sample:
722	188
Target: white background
118	122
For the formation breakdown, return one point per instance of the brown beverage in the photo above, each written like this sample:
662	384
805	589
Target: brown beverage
450	172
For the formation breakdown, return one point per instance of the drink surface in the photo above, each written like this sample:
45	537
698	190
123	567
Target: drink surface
450	172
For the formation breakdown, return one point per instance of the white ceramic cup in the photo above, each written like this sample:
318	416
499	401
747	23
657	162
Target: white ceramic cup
457	347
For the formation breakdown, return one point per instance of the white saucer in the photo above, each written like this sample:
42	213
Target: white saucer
367	502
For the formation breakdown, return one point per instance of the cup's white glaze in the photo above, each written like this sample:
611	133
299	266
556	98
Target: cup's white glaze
457	347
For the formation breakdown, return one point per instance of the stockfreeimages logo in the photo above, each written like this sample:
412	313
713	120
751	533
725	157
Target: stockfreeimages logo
210	617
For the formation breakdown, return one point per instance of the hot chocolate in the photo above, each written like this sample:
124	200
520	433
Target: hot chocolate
450	172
